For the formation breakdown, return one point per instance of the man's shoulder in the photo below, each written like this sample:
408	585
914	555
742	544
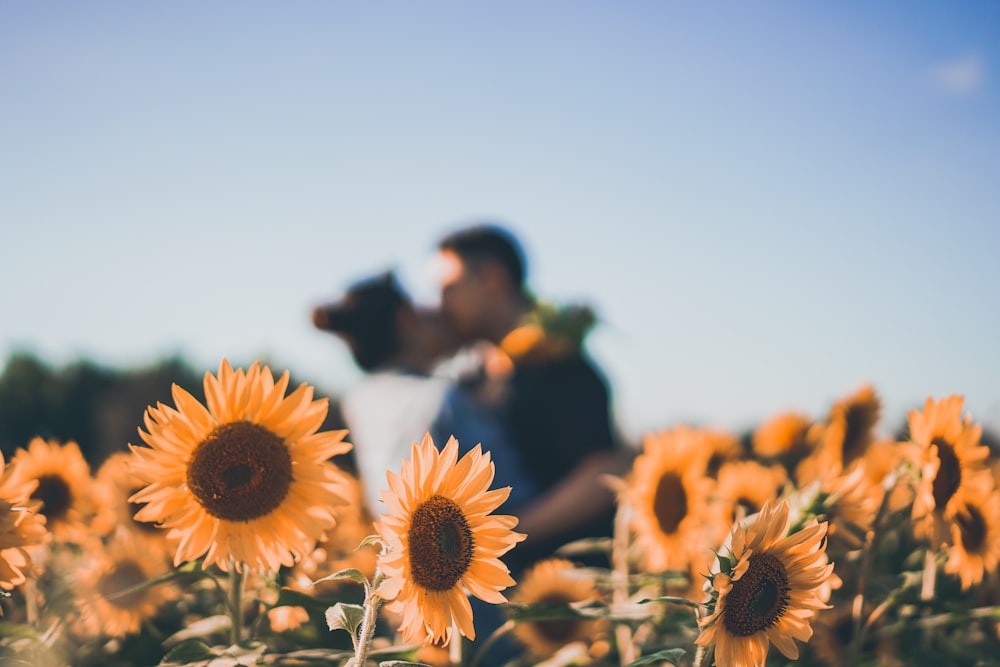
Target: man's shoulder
573	374
575	364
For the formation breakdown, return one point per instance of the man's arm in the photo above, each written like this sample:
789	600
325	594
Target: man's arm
578	499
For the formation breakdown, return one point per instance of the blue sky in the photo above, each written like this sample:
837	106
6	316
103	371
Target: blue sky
768	204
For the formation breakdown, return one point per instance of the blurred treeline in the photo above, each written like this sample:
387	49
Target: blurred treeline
97	406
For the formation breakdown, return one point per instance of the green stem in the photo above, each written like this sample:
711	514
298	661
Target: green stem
620	575
930	575
236	579
363	645
699	655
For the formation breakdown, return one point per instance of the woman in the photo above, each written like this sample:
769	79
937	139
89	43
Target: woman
402	396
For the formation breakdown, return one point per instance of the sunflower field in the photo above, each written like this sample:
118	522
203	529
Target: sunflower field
227	535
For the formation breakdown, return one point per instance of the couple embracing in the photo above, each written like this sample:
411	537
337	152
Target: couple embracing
491	366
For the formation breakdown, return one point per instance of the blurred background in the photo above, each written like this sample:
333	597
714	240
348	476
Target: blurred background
767	205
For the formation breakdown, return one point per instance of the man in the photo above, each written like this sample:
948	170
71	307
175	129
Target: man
557	405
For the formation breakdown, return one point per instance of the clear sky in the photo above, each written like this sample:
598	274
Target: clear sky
769	204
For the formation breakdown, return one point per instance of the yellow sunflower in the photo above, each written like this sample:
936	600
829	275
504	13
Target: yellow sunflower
882	463
834	631
105	604
21	527
285	618
843	438
555	581
337	548
720	446
116	483
767	590
246	479
852	501
673	517
443	541
850	427
746	485
783	435
975	531
65	487
951	461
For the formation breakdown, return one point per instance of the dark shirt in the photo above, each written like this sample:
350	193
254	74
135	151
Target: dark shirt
558	413
474	423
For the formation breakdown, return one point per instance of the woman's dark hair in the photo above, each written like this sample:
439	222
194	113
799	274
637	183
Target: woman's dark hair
366	319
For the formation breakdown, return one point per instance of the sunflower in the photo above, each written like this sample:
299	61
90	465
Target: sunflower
64	486
559	582
746	485
951	462
107	604
338	548
975	531
287	617
21	527
246	479
116	483
673	519
720	446
881	463
851	502
767	590
834	632
843	438
783	435
850	426
443	541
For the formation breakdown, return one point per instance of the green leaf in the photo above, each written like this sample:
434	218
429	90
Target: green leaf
200	628
247	654
672	656
402	663
541	612
372	540
19	630
725	564
155	581
191	566
350	573
344	616
288	597
673	600
191	650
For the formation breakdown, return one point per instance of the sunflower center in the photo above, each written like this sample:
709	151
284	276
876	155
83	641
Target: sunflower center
758	598
949	474
242	471
972	528
440	543
558	631
856	425
124	575
670	502
55	495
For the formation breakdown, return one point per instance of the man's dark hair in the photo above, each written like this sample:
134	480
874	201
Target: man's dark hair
366	319
489	242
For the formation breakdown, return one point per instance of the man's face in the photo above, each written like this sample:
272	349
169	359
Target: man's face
464	297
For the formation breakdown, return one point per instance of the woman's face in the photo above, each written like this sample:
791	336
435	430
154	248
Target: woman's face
436	337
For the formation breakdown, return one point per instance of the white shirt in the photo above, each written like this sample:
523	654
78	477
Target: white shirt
386	413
